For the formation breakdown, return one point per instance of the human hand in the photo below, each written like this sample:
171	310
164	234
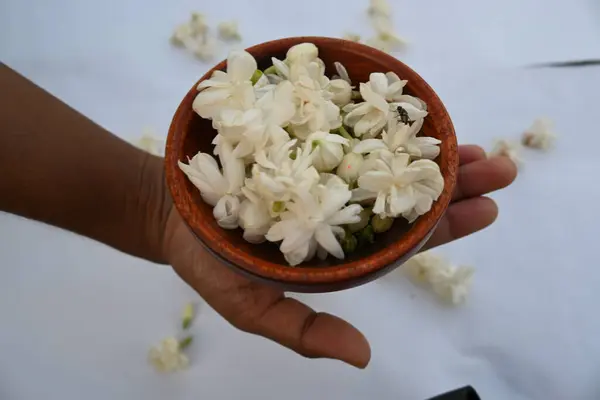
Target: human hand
259	309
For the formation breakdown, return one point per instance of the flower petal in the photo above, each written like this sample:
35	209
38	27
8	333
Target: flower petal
240	65
368	146
327	240
374	99
360	194
347	215
379	83
342	72
226	212
401	200
379	207
376	181
281	67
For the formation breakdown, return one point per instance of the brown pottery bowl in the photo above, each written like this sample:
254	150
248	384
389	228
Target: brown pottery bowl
189	134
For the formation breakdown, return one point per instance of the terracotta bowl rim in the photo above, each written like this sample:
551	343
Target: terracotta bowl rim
345	271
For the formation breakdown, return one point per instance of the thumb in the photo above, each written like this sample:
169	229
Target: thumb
311	334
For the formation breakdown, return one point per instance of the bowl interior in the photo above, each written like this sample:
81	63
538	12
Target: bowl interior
190	134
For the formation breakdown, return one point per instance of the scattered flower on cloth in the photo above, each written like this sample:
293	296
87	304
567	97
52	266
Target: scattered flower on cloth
380	8
151	143
386	39
450	283
168	356
353	37
195	37
540	135
228	30
504	148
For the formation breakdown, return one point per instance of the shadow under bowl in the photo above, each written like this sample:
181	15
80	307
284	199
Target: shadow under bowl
190	134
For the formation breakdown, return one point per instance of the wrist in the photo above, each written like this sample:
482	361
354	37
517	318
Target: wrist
153	201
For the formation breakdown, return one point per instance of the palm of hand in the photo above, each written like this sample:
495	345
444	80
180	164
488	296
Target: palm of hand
263	310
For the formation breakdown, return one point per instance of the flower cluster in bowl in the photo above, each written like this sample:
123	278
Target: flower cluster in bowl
312	162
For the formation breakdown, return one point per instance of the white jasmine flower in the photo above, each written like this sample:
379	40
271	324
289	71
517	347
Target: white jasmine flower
167	356
353	37
313	111
226	212
379	44
194	36
504	148
220	190
276	177
260	126
313	219
369	117
302	53
540	135
255	218
231	89
183	33
402	138
401	187
327	150
350	166
450	283
388	85
341	92
386	35
233	124
198	24
203	49
380	7
228	30
150	143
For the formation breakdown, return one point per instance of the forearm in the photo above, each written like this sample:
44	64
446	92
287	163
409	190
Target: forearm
61	168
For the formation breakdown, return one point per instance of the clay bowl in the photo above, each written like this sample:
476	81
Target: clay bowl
189	133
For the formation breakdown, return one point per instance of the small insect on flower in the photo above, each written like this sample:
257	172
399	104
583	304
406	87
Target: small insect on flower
403	115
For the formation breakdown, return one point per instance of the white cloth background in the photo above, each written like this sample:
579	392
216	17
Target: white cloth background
77	318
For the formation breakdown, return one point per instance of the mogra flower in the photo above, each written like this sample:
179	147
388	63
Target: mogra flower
400	187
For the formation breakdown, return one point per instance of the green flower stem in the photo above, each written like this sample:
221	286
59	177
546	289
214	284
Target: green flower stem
256	76
271	70
187	316
344	133
185	342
